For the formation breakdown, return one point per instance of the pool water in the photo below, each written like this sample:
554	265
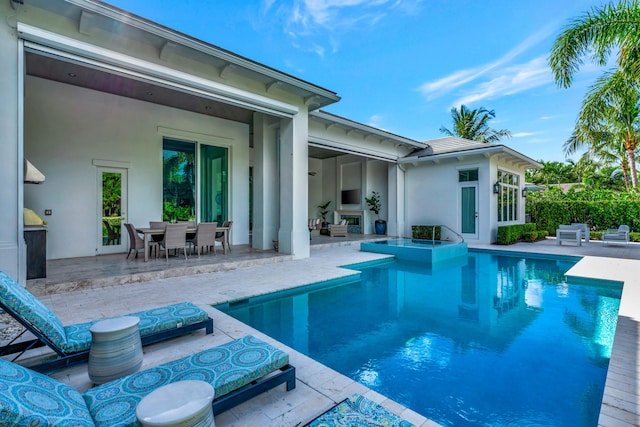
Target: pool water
494	341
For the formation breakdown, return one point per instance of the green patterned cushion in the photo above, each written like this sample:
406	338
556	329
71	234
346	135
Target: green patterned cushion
28	398
151	322
358	411
226	367
29	308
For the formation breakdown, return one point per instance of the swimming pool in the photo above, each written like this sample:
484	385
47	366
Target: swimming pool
494	341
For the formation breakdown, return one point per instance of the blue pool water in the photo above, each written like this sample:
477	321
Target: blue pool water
433	252
493	341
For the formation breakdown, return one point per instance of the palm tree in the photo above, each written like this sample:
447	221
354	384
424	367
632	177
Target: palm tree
596	34
473	124
610	115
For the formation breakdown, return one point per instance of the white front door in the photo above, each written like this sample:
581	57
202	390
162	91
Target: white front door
112	210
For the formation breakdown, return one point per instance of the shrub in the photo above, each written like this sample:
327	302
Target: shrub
426	232
530	236
509	234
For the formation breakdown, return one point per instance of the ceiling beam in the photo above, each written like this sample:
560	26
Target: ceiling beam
167	50
87	24
227	70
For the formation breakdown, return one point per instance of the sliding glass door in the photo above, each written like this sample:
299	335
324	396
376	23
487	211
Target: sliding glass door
214	198
179	182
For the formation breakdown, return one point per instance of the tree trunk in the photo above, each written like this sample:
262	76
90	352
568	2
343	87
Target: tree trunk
625	172
632	164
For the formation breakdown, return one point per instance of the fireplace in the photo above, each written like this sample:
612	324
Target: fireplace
354	221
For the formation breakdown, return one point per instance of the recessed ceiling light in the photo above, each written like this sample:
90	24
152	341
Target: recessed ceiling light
207	107
150	93
72	75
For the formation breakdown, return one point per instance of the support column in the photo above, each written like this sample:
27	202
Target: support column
12	246
265	181
395	197
293	235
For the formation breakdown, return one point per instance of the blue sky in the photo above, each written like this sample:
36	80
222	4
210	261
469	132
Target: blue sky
400	65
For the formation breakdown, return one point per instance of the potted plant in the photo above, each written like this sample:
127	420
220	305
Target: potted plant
324	210
375	206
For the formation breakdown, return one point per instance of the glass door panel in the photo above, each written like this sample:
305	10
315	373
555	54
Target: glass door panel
112	197
469	212
214	197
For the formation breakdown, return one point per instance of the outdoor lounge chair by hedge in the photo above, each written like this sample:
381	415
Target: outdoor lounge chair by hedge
616	236
72	343
238	371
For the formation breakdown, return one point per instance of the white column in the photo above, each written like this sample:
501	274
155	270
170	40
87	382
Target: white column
265	181
293	235
395	198
12	246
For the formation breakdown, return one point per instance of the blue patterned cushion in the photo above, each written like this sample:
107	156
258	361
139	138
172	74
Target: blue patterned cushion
151	321
28	398
29	308
358	411
226	367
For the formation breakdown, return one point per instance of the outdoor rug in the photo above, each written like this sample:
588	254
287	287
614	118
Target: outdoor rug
358	411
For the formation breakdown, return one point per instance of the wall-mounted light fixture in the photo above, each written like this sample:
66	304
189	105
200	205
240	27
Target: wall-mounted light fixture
496	188
524	192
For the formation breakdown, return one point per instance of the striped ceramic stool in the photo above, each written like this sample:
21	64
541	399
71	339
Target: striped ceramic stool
180	404
116	349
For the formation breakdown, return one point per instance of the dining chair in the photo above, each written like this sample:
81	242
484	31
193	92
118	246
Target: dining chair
175	237
205	236
136	243
220	235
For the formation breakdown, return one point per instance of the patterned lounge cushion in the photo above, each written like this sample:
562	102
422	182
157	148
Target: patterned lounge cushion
28	398
151	321
358	411
18	299
226	367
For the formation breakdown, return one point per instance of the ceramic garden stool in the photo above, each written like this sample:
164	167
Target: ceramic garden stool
180	404
116	349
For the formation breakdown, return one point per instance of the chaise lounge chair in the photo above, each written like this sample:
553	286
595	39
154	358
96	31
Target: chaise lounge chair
72	343
238	371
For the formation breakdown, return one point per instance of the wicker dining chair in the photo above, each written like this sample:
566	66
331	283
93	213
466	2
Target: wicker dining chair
220	235
175	237
136	243
205	236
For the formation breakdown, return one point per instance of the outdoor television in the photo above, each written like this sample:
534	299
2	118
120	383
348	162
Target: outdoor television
350	197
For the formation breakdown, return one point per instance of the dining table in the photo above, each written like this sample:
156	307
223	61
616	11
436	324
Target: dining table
148	232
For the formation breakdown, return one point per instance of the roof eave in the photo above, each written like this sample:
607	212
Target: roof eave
319	97
494	149
367	129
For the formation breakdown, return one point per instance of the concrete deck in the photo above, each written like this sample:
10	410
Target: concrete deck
319	387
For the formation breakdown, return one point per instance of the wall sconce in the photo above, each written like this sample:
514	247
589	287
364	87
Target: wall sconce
524	192
496	188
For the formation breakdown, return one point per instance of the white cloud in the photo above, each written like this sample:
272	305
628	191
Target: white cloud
522	134
509	81
436	88
327	19
377	121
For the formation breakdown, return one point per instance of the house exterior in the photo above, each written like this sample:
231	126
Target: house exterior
97	98
468	186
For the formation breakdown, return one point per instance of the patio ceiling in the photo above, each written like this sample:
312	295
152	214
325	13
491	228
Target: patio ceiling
65	71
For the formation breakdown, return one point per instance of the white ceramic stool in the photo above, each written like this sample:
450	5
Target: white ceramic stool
116	349
180	404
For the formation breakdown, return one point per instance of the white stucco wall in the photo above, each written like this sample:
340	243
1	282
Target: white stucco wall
377	180
68	127
433	196
315	187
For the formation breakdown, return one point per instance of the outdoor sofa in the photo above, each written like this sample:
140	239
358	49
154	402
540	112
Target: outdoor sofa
238	370
72	343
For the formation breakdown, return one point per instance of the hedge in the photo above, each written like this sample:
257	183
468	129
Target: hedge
425	232
508	234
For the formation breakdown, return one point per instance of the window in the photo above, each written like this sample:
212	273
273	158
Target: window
468	175
213	184
178	180
508	197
